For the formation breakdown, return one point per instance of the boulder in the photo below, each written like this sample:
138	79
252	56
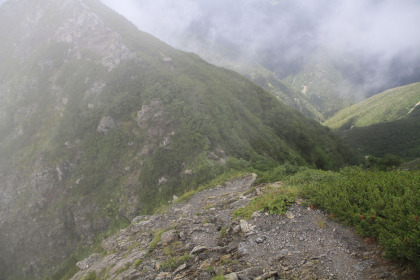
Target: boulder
86	263
107	123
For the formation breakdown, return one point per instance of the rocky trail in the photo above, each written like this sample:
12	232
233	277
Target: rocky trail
199	239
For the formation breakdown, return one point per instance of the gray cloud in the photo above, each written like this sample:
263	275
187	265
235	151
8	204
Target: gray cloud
385	26
381	33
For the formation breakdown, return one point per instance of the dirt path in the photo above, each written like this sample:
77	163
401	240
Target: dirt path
198	239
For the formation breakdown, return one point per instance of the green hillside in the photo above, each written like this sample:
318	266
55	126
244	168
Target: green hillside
260	75
400	137
100	122
387	123
391	105
318	90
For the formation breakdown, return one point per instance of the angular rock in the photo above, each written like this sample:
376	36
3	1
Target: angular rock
250	273
259	240
168	237
162	180
163	275
198	250
267	275
107	123
180	268
246	227
231	276
86	263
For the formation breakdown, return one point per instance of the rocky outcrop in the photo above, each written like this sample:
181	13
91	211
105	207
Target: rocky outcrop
41	224
199	239
158	125
86	31
107	123
26	227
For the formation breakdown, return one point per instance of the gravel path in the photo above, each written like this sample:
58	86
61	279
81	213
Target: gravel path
199	240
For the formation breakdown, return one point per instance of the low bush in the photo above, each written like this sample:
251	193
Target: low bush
384	205
274	200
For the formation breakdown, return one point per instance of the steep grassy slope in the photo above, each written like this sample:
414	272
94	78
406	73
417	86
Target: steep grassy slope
318	88
259	74
391	105
387	123
400	137
100	122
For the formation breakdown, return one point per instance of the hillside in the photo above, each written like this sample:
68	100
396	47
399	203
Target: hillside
318	88
295	50
328	88
391	105
254	70
100	122
400	138
387	123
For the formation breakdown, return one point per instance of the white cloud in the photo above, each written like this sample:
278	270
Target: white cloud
382	32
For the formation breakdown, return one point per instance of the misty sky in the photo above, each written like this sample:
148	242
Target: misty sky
386	27
383	31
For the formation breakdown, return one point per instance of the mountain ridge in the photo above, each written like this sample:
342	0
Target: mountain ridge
387	123
390	105
100	122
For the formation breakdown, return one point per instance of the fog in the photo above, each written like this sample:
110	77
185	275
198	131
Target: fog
283	34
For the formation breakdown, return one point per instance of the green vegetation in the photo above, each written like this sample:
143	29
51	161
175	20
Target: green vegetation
122	269
391	105
91	276
223	231
384	205
175	258
219	277
174	262
274	200
209	123
137	263
68	268
321	83
389	162
156	239
400	138
380	201
387	123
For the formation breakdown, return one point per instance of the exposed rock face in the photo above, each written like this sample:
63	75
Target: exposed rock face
38	228
199	239
159	126
87	31
85	264
107	123
25	230
153	117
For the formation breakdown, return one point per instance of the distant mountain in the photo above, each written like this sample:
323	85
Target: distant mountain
387	123
100	122
327	87
319	87
317	58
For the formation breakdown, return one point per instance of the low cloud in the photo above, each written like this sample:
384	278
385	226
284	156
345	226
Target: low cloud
381	33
